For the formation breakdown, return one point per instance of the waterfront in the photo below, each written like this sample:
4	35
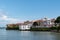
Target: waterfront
27	35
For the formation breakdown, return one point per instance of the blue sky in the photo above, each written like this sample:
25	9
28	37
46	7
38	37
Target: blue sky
12	11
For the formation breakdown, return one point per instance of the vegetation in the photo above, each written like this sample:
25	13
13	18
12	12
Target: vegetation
13	27
53	28
57	22
57	19
8	28
35	24
40	29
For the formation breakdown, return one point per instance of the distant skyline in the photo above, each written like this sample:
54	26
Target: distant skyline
13	11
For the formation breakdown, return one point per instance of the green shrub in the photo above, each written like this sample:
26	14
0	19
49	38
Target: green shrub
40	29
53	28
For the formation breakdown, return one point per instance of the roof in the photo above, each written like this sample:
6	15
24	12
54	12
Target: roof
25	23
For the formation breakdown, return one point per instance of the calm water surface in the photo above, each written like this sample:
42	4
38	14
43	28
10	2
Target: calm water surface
27	35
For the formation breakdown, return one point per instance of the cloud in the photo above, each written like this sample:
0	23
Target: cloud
9	19
5	19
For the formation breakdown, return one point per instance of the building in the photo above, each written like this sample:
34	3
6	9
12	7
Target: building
42	23
25	26
45	22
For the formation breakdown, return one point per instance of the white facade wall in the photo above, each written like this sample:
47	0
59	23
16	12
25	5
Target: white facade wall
25	27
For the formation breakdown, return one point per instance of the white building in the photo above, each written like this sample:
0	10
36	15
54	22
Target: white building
48	22
25	26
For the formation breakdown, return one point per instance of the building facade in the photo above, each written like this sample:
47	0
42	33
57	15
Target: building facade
45	22
25	26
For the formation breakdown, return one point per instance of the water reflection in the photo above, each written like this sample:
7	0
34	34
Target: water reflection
27	35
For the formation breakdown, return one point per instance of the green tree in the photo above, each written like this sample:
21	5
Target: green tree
57	22
35	24
57	19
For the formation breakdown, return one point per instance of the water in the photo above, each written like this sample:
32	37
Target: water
27	35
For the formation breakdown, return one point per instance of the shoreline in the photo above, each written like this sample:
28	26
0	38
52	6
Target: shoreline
34	30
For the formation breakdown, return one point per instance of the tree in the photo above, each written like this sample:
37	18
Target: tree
57	22
35	24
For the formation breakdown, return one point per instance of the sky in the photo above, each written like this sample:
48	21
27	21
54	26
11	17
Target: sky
15	11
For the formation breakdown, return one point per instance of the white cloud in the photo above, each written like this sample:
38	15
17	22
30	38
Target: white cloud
9	19
4	19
